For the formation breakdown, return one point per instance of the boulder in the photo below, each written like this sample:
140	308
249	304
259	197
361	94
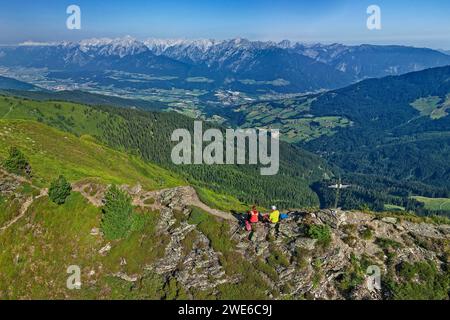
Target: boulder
333	218
390	220
103	251
305	243
126	277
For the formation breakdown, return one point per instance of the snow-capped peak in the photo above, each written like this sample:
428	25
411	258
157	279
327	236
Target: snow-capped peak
39	44
159	46
118	46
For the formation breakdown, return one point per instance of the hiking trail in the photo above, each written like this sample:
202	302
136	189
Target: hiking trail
24	208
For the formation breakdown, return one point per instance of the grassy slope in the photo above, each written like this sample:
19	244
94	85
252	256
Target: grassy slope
8	208
435	203
292	118
39	248
81	119
71	117
52	152
37	251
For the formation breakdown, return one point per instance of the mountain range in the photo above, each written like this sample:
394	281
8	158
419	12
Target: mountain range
238	64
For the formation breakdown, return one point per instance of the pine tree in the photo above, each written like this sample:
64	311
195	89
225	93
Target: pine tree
17	162
59	190
118	218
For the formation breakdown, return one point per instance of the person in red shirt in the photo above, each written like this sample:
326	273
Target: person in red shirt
253	216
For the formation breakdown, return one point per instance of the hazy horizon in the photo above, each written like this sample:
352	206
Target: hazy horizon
411	23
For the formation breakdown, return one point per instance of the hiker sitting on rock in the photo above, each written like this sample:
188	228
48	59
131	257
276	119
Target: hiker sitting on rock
273	216
253	217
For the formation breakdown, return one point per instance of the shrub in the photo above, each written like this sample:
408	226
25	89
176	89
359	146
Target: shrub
179	215
350	240
216	231
318	273
320	232
366	233
119	219
267	269
286	288
386	244
174	291
17	162
352	277
301	256
59	190
277	258
149	201
419	281
349	229
188	242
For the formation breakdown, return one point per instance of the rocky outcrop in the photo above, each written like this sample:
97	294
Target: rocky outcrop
302	266
194	264
316	271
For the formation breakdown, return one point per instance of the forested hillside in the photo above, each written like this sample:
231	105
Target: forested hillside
83	97
396	129
147	134
401	130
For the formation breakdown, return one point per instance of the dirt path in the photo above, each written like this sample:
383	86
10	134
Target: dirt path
23	209
186	196
94	193
9	111
214	212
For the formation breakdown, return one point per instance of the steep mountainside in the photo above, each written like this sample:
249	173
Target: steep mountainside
84	97
148	134
394	128
248	65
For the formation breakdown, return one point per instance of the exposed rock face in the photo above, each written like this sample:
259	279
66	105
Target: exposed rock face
197	266
201	267
389	220
104	250
7	183
334	218
310	270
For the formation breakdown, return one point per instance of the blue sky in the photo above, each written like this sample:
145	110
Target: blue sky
411	22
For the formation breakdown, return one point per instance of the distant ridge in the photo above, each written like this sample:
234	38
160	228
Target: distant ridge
237	64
